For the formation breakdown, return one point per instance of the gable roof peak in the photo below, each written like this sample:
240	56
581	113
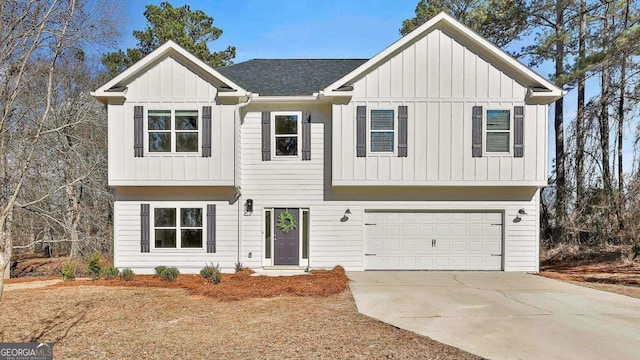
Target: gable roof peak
169	48
459	32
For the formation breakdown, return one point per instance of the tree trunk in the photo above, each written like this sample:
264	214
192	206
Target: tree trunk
580	108
621	120
604	107
72	220
559	128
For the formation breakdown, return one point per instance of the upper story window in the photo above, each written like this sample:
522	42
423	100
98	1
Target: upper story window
173	131
286	137
498	131
382	131
177	228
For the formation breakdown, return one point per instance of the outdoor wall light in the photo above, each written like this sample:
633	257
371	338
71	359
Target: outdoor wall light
248	207
518	218
344	217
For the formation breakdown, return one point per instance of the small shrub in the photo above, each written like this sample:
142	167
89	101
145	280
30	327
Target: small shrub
109	273
635	251
68	273
127	274
94	268
160	269
169	274
212	273
239	266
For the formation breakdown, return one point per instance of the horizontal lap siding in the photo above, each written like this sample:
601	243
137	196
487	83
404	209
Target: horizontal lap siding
440	80
127	240
169	86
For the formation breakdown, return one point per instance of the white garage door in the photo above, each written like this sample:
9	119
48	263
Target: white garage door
433	240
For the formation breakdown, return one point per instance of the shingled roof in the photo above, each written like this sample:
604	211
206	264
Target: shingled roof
288	77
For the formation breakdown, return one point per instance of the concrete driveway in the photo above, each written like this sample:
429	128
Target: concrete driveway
501	315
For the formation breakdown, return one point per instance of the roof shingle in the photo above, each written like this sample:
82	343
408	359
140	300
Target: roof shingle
288	77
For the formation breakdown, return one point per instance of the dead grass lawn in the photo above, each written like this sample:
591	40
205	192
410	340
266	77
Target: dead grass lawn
101	322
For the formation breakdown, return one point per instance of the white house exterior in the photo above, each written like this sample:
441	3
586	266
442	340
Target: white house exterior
428	156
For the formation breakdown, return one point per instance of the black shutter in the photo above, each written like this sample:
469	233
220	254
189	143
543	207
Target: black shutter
361	131
402	130
266	136
476	134
306	135
518	131
145	228
211	228
206	131
138	131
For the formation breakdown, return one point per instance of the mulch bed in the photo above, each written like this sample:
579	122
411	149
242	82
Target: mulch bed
241	285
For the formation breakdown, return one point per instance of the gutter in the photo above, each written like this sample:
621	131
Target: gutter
238	120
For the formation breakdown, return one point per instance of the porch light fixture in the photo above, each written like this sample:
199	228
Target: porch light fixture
344	217
248	207
518	218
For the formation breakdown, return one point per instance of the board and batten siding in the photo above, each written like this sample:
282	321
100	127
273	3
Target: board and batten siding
439	80
169	85
127	252
301	184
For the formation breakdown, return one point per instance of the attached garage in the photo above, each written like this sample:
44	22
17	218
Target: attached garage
425	240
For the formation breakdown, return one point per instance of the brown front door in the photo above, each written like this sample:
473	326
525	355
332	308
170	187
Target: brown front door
287	244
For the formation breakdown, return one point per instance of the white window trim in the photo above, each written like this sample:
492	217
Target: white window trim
274	152
177	206
173	132
395	133
485	130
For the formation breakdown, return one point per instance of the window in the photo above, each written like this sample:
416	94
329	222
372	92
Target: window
305	234
173	131
267	234
177	228
498	131
286	134
382	131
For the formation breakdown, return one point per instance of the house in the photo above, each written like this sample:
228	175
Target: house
430	155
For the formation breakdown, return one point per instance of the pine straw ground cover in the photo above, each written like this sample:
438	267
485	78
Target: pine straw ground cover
126	322
241	285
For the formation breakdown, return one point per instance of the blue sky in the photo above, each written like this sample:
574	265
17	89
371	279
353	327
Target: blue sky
311	29
295	28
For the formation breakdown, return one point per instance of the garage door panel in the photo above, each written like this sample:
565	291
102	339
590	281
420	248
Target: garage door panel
373	246
475	246
409	230
425	231
493	230
433	240
410	247
459	230
391	231
459	246
494	218
475	230
391	246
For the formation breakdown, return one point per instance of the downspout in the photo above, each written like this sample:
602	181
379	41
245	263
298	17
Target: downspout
238	188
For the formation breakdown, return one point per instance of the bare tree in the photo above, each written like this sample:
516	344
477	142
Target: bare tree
35	37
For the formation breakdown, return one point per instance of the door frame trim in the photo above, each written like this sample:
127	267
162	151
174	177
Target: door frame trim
270	262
